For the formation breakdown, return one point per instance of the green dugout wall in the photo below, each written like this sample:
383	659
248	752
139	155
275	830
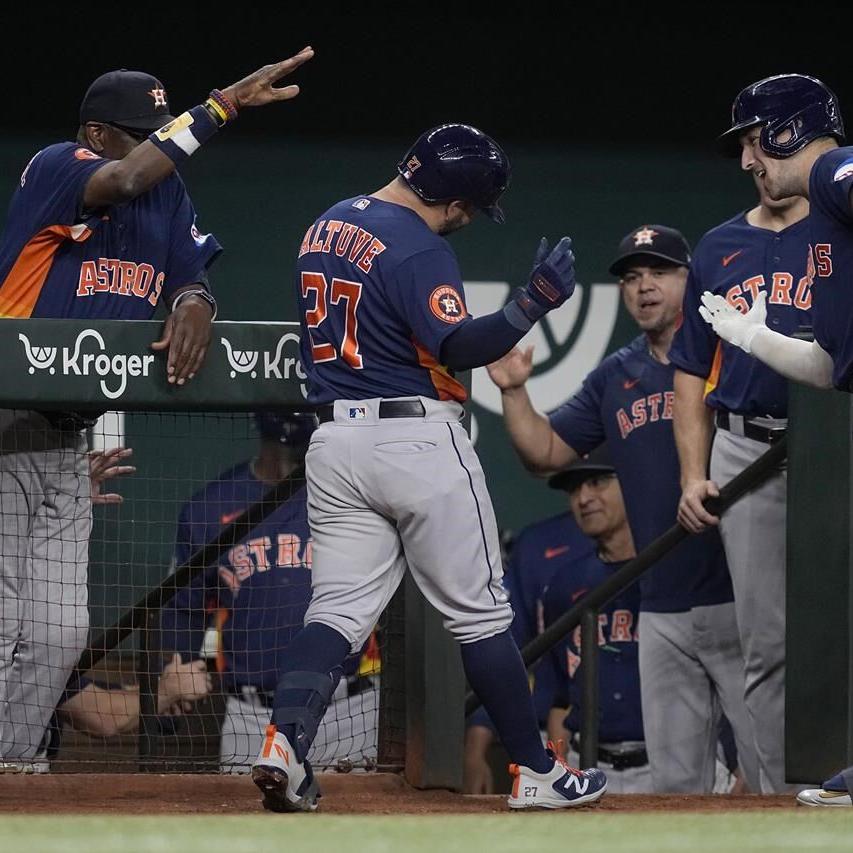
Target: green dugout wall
819	675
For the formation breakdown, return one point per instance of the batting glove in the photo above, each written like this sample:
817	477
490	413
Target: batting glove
552	280
732	326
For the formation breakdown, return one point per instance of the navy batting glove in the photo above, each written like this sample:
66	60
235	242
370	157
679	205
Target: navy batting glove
551	283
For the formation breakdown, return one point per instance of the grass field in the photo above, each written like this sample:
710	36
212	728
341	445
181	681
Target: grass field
577	832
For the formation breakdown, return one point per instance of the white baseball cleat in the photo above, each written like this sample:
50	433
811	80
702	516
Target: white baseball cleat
561	787
822	797
288	785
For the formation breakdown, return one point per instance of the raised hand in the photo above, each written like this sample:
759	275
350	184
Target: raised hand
732	326
257	89
513	370
552	280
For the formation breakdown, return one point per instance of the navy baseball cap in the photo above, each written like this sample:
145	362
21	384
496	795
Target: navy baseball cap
594	465
656	241
128	98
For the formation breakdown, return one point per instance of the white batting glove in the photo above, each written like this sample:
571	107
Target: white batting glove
732	326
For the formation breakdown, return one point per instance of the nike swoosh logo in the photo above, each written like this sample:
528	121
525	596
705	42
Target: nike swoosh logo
628	384
230	516
729	258
555	552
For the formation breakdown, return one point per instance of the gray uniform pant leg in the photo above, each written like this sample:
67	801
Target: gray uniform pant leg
680	709
691	667
45	523
753	533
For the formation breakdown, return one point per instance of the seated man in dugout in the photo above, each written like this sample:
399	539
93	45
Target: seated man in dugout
241	613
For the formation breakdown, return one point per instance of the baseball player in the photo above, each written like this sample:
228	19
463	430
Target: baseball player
792	139
539	551
756	258
596	502
393	480
254	601
101	227
691	664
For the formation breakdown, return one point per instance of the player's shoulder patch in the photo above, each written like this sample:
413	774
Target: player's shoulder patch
361	203
446	304
845	170
86	154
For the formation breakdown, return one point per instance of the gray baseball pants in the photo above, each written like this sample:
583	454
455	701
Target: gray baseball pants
385	494
45	522
753	533
691	668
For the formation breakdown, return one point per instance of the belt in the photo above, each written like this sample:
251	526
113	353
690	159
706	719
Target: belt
618	759
740	425
623	760
387	409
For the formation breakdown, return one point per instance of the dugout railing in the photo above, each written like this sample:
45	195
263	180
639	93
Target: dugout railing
108	366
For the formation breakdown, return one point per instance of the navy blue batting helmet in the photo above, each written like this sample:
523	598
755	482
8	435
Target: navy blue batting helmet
787	102
457	161
291	430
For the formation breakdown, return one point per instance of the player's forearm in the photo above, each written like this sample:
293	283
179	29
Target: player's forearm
802	361
480	341
101	712
693	426
530	432
123	180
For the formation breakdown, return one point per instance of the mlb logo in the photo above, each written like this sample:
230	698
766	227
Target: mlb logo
357	413
361	204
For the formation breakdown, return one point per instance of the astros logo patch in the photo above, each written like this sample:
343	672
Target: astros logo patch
447	304
85	154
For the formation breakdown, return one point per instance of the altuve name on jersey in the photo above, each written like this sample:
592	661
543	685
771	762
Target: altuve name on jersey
360	247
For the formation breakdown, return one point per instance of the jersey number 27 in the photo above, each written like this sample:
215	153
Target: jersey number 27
341	289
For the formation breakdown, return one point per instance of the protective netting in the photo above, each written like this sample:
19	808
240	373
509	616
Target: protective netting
218	497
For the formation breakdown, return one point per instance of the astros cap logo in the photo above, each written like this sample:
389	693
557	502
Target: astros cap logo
159	96
644	237
446	304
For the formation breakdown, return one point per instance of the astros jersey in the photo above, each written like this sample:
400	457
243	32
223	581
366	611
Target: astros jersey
627	402
620	711
378	293
57	260
257	594
830	259
737	261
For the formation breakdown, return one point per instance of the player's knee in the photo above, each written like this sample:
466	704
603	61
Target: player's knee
471	626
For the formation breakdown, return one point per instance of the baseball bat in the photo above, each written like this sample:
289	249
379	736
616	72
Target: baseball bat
184	574
751	476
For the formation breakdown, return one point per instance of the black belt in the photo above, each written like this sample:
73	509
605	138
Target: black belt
619	759
387	409
740	425
623	760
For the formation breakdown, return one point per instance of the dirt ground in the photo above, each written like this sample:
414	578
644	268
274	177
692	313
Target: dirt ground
371	793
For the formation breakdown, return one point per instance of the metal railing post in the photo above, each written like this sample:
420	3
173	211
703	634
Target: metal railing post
589	665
